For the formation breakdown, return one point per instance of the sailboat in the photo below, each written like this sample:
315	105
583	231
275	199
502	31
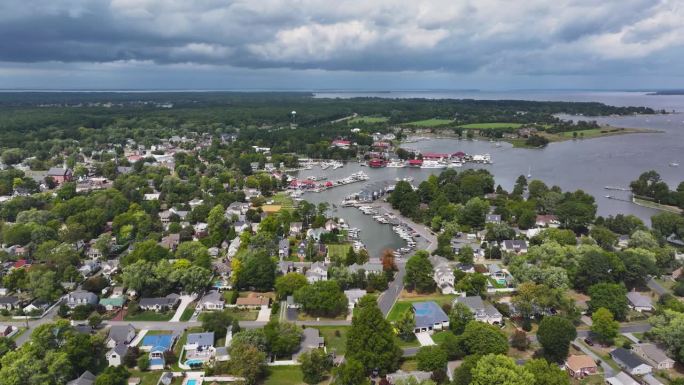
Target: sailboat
529	172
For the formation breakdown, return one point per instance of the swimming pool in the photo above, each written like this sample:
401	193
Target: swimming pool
194	362
191	382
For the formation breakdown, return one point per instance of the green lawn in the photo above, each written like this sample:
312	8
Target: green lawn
283	375
284	200
338	251
434	122
409	364
19	333
404	304
333	341
485	126
591	133
407	344
188	312
146	378
243	314
150	316
368	119
439	337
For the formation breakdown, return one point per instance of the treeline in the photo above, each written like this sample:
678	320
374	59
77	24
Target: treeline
650	186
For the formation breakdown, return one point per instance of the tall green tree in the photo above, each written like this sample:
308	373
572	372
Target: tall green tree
419	274
500	370
314	365
604	326
555	334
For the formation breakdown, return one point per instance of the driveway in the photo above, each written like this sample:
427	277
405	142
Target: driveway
264	314
655	286
424	339
607	370
185	301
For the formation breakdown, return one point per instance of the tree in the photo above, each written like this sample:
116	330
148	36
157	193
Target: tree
519	340
495	369
315	364
639	265
194	252
247	361
419	274
431	358
481	338
283	338
322	299
113	375
406	325
472	284
217	322
452	346
370	339
473	213
668	329
545	373
287	284
597	266
351	372
459	316
555	334
143	362
258	272
604	326
466	255
95	320
611	296
463	375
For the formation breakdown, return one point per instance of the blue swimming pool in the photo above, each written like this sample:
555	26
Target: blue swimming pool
191	382
194	362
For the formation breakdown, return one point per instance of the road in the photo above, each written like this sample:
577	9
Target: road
655	286
607	370
426	241
640	327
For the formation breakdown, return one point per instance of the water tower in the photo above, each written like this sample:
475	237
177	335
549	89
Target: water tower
293	122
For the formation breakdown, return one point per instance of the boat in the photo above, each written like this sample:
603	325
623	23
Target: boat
396	164
455	163
433	164
529	172
674	164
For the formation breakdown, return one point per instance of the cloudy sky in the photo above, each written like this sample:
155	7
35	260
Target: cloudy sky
342	44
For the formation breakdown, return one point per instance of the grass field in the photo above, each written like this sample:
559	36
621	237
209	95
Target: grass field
485	126
338	251
242	315
434	122
439	337
407	344
333	341
188	312
146	378
150	316
284	200
368	119
283	375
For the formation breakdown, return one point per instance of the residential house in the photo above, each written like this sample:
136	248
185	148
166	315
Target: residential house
630	362
252	302
296	228
579	366
483	312
621	378
649	379
170	241
9	303
311	339
60	174
81	297
87	378
517	246
213	300
368	268
151	196
498	274
157	345
201	229
120	334
493	218
284	248
330	225
639	302
353	296
317	272
315	234
401	376
6	330
89	268
112	303
653	355
240	227
116	354
160	303
547	221
237	209
429	317
199	342
165	217
110	267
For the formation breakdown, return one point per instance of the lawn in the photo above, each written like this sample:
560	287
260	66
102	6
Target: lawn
335	341
434	122
591	133
485	126
150	316
338	251
188	312
284	200
242	314
407	344
283	375
439	337
146	378
367	119
409	364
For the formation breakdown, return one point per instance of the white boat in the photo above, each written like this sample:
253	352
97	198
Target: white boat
396	164
433	164
455	163
674	164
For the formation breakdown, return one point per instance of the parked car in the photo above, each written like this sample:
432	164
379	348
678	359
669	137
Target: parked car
588	341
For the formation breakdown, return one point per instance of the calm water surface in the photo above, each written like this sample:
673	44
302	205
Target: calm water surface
588	164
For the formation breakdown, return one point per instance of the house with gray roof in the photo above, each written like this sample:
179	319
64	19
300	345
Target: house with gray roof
653	355
116	355
483	312
517	246
639	302
159	303
87	378
311	339
429	317
200	341
368	267
317	272
284	248
9	302
630	362
213	300
81	297
120	334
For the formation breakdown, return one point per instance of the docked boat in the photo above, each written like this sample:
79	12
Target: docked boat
674	164
455	164
396	164
433	164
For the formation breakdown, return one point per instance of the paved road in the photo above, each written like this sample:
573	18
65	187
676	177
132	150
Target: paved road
607	370
655	286
640	327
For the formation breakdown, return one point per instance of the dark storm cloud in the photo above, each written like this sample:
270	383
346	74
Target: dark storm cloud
535	36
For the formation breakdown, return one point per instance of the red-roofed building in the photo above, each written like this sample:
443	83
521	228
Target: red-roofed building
134	158
415	162
547	221
376	163
21	264
435	156
382	145
459	154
